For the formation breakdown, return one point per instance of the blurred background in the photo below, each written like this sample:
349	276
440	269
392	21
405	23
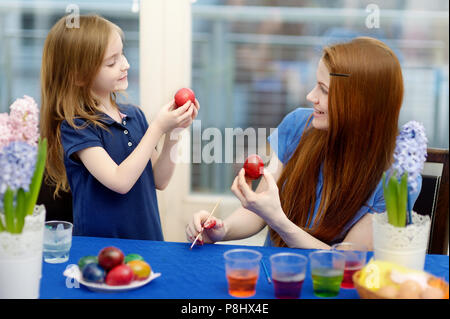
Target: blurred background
250	62
253	61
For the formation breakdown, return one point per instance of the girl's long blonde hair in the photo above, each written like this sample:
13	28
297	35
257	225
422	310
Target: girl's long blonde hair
363	112
71	59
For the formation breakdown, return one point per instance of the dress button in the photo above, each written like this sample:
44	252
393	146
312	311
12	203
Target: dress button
129	143
124	122
125	132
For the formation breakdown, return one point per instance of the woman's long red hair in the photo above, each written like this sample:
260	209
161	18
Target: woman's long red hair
357	147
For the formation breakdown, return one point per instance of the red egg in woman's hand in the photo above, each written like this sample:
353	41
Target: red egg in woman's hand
183	95
253	166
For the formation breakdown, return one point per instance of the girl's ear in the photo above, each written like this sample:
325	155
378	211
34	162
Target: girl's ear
77	79
79	82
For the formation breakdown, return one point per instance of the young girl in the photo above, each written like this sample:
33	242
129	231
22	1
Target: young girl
105	151
329	160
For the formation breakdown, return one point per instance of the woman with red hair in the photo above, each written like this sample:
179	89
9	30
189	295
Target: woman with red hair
325	174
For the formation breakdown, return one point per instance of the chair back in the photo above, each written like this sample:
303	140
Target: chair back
58	208
433	199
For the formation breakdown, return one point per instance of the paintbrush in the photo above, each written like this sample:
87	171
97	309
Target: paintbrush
212	212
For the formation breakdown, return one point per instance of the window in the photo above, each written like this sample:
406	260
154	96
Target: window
254	61
24	27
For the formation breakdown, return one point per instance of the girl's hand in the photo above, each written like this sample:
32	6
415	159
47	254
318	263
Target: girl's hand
170	117
213	229
186	123
266	204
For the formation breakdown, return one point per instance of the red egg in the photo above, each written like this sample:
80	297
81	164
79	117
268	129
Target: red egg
183	95
119	275
109	257
254	166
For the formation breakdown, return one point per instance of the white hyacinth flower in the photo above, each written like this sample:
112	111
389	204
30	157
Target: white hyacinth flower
410	152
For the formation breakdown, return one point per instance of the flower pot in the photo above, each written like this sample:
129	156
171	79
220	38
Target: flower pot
405	246
21	258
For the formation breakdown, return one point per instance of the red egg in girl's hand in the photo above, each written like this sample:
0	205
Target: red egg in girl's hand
183	95
253	166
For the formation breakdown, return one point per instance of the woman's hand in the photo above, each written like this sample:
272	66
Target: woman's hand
213	229
266	204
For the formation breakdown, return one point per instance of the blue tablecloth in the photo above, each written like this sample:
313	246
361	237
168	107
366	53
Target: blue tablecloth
186	274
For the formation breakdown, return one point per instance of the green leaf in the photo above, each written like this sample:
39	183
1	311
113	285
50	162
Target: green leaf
2	227
402	200
390	196
36	180
8	207
20	210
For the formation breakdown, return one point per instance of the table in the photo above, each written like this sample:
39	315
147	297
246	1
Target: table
186	274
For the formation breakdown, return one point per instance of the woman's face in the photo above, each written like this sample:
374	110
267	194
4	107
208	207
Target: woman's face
319	97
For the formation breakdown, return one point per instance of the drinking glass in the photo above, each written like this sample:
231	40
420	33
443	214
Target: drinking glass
57	241
288	274
355	259
327	270
242	271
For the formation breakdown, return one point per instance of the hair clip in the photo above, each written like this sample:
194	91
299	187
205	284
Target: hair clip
340	74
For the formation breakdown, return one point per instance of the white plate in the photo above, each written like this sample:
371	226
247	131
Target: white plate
75	273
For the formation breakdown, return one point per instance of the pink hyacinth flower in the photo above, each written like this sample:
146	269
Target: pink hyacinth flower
24	119
5	130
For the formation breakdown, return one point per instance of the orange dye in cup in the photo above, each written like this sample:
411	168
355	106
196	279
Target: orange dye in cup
242	283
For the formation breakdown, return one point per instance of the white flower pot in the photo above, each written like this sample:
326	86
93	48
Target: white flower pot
21	258
406	246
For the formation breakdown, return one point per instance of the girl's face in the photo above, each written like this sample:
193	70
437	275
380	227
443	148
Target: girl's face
112	75
319	97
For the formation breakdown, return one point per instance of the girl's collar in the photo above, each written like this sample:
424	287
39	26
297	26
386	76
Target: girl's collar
105	118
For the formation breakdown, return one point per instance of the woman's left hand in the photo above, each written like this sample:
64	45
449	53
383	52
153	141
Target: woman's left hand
266	204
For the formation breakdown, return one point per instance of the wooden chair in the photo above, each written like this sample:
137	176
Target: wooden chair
59	208
433	199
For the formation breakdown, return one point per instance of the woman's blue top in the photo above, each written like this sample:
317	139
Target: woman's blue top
284	141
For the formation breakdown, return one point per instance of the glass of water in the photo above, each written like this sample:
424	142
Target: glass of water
57	241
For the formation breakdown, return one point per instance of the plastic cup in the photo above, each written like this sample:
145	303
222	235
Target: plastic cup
57	241
355	259
242	271
288	274
327	271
